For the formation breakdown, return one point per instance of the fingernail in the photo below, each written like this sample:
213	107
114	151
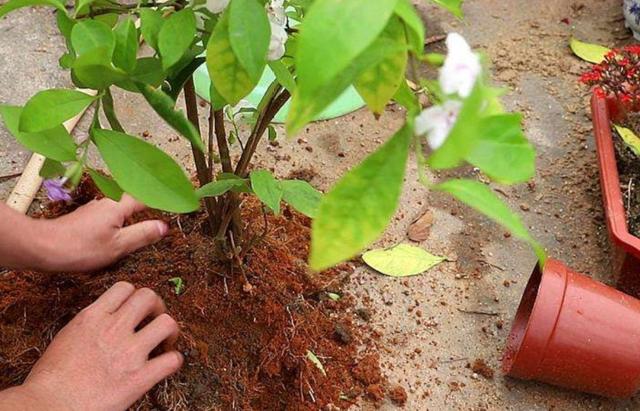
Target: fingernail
162	228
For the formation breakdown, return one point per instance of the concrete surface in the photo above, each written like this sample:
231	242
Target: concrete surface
426	340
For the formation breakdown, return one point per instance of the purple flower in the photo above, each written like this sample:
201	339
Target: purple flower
56	190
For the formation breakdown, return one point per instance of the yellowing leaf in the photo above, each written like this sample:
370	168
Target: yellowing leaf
314	359
630	138
402	260
593	53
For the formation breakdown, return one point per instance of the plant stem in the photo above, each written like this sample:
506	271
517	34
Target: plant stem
230	205
223	145
198	156
192	114
265	118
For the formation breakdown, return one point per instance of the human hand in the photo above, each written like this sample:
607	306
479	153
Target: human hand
94	236
99	362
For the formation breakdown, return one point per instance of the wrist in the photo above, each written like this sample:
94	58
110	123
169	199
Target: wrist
27	397
40	245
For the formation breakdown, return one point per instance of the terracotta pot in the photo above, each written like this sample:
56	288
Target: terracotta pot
626	245
577	333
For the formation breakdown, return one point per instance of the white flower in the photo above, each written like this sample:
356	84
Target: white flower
276	12
277	42
217	6
436	122
461	67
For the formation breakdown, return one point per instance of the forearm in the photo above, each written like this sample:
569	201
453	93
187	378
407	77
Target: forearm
20	240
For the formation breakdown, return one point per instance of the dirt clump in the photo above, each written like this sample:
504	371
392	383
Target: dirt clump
398	395
480	367
243	349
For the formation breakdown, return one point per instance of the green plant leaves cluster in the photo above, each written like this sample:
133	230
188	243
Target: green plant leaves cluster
297	193
332	45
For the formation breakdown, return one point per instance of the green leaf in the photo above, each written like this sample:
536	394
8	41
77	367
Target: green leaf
463	135
454	6
219	187
333	34
163	105
126	50
407	99
148	71
177	81
82	6
231	79
315	361
55	143
403	260
176	36
481	198
178	285
630	138
65	24
407	12
301	196
502	151
93	71
434	59
145	172
334	296
17	4
150	25
267	188
89	35
305	106
379	83
106	185
51	169
249	35
284	76
110	111
359	207
593	53
50	108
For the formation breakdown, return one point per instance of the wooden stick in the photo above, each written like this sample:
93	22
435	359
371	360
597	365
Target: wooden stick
29	183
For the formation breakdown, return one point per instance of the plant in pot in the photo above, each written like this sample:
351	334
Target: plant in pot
371	45
614	107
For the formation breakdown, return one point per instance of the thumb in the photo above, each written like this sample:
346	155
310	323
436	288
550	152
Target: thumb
139	235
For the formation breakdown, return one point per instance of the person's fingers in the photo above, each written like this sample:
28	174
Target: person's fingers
142	304
160	367
139	235
114	297
129	205
163	329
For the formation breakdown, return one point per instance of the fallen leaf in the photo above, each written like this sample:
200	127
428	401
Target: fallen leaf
593	53
630	138
402	260
312	357
333	296
419	229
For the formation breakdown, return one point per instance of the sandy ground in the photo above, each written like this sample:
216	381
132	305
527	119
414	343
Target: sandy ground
428	339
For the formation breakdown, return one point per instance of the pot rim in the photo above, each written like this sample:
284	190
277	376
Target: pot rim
615	212
535	320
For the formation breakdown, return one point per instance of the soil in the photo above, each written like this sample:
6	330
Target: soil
246	332
629	173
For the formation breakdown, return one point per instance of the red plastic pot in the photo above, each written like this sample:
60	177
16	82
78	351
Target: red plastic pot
577	333
626	245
